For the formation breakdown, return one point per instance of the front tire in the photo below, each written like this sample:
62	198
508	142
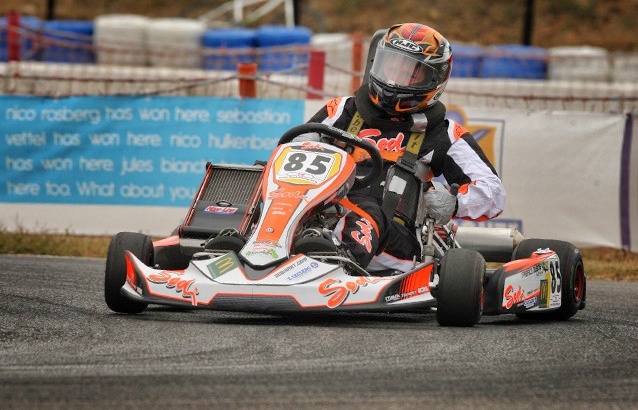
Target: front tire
460	288
573	278
115	273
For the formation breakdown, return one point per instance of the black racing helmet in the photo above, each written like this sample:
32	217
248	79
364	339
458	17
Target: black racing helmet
411	67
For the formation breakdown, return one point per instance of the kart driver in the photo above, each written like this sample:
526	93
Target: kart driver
410	70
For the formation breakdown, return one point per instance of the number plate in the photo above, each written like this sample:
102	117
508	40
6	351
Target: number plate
301	167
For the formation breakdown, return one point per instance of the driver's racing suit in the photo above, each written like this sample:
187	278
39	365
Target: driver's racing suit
376	240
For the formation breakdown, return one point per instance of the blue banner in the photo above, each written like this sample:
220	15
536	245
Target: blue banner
130	150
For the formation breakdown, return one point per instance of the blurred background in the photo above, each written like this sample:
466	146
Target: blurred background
610	24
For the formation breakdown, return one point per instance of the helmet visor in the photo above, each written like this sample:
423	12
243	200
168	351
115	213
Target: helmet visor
401	70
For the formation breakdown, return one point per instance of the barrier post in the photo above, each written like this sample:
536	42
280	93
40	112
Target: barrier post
247	83
316	72
357	61
13	36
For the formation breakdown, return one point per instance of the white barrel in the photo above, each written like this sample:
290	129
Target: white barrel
175	42
579	63
121	39
625	67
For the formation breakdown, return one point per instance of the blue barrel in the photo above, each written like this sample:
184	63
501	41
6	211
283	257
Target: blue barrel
514	61
276	48
225	48
68	41
29	31
466	61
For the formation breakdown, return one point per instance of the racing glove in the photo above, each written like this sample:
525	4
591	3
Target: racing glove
440	204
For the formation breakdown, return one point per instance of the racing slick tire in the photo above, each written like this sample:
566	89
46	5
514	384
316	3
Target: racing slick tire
460	288
115	273
573	278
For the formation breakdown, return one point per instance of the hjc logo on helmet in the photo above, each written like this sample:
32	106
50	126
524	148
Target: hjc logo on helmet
407	45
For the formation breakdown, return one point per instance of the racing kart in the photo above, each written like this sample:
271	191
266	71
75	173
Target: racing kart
259	239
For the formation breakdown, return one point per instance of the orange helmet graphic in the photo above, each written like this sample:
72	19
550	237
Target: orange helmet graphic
411	67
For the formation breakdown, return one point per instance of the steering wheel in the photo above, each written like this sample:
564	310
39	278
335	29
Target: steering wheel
346	138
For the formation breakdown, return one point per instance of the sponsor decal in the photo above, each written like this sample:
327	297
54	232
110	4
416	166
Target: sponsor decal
291	266
222	265
530	303
310	145
173	280
534	270
267	252
544	296
407	45
338	292
414	285
303	271
223	210
265	245
282	193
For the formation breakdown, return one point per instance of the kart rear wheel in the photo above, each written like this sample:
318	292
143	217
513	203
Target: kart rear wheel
460	288
573	279
115	274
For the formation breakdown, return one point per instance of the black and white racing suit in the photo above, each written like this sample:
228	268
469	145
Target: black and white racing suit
375	239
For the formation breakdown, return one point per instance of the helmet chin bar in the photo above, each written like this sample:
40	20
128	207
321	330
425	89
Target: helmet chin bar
393	101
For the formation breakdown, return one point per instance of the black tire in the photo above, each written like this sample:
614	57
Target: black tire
460	288
115	273
573	278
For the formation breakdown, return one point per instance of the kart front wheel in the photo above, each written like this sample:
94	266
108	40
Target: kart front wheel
460	288
115	274
572	272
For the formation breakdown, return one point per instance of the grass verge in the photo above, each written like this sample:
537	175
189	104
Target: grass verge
600	263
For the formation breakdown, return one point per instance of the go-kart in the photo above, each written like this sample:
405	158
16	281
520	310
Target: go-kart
259	239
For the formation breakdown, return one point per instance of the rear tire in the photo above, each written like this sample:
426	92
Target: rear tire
573	278
115	273
460	288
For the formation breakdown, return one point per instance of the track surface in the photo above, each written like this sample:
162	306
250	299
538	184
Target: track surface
60	347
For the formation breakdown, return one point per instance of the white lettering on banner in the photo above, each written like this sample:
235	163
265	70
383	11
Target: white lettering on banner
26	139
18	164
181	167
20	114
97	164
191	115
154	114
136	165
182	192
142	191
92	188
237	116
231	142
118	114
23	189
65	114
53	189
105	140
185	141
67	140
57	164
143	140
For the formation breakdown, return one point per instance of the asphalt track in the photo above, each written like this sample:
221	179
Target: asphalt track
61	347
